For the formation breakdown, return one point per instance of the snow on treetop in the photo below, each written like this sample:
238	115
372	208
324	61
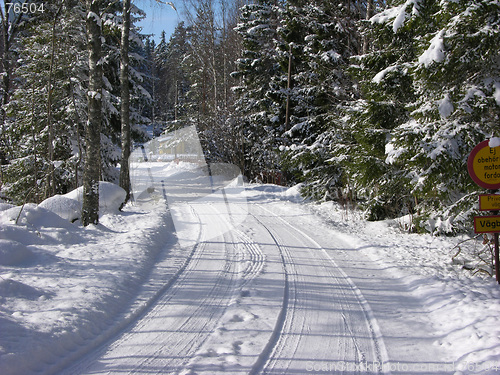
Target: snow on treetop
381	75
435	52
494	142
331	56
398	14
96	18
496	94
445	106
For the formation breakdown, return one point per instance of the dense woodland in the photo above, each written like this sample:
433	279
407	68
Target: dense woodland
373	103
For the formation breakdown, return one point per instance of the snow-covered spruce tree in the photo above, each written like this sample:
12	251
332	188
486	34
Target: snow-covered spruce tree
208	65
386	86
456	78
321	38
11	23
46	109
258	125
173	79
53	57
139	96
159	86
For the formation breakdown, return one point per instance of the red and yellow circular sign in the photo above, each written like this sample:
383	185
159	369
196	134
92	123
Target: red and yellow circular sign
484	165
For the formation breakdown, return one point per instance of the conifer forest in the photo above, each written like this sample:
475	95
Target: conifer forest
375	104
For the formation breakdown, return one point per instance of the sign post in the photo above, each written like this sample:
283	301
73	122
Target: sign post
483	165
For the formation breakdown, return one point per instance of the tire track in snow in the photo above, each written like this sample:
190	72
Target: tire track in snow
352	348
245	327
254	262
167	335
199	323
285	347
79	360
380	349
280	322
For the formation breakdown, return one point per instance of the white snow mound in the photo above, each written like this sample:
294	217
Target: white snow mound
111	197
65	207
13	253
5	206
33	216
293	194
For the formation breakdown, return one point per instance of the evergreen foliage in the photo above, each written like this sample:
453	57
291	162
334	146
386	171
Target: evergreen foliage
259	121
47	110
320	37
451	70
45	134
379	102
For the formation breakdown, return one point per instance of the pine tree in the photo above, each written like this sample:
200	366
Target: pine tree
46	109
255	69
386	88
47	115
455	75
175	77
160	57
11	24
429	93
320	38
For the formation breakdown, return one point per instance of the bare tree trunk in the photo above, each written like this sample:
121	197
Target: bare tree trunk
90	210
125	101
288	88
50	191
35	156
369	14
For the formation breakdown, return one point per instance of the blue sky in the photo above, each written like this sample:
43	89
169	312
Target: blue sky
159	17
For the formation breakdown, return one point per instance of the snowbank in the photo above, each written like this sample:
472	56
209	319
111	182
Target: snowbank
62	286
111	196
64	207
69	206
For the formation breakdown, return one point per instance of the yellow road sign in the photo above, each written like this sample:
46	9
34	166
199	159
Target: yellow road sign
489	202
484	165
487	224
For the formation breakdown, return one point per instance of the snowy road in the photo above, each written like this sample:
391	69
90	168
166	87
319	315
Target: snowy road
275	292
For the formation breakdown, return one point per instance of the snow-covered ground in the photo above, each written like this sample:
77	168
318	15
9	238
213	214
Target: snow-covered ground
283	286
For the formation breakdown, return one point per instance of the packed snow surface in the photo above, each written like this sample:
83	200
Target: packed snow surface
236	279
